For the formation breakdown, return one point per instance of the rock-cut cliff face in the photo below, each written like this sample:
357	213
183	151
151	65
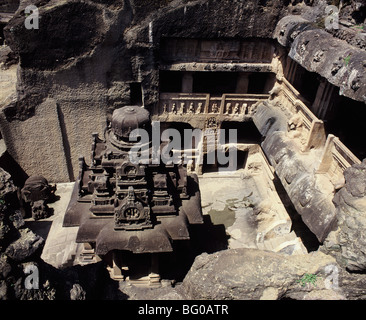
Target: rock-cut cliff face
88	57
104	42
83	60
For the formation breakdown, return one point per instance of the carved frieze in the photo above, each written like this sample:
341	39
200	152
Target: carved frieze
241	51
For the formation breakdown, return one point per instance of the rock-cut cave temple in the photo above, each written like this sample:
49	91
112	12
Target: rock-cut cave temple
291	87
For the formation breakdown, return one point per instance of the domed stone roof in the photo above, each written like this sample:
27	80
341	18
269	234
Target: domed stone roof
128	118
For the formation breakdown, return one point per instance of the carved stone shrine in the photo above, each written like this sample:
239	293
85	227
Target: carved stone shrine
128	212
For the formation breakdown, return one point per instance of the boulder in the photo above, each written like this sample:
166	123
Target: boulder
17	219
5	267
3	290
7	187
77	292
8	199
4	230
250	274
25	246
7	57
348	242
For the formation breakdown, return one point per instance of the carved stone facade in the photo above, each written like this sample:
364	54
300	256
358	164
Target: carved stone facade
217	50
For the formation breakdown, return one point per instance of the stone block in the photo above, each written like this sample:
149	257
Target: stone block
36	144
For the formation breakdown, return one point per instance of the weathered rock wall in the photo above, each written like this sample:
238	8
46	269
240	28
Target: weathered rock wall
68	61
9	6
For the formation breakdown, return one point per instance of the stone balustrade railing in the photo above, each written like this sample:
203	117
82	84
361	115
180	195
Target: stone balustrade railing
335	159
312	128
336	156
201	103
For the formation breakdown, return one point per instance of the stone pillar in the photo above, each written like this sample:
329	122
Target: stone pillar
319	94
250	56
154	276
199	158
323	99
279	61
270	82
326	158
291	69
327	101
287	66
242	83
187	82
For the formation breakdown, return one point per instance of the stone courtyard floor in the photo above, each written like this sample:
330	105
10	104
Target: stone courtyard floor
227	198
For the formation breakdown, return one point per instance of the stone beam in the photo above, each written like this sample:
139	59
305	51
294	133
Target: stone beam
296	171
